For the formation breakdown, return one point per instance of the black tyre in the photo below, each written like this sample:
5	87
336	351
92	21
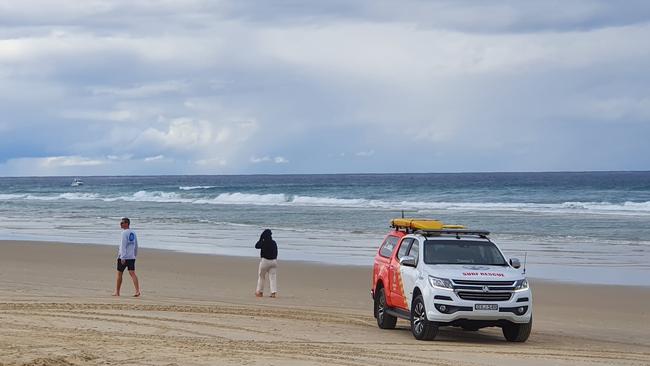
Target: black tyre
384	320
421	327
518	332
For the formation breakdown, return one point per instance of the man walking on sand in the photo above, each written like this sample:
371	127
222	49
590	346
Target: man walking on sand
126	257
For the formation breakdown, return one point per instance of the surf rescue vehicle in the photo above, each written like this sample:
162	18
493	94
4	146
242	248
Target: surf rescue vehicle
436	275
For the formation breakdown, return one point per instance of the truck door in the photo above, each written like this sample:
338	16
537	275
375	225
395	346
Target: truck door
398	290
410	274
384	263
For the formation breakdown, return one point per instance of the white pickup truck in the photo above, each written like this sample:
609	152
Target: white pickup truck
438	275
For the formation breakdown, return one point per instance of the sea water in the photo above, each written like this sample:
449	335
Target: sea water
570	226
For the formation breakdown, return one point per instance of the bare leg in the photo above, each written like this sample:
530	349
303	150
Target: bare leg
118	284
136	284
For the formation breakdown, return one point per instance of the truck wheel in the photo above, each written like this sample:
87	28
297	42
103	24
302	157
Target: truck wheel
384	320
421	327
518	332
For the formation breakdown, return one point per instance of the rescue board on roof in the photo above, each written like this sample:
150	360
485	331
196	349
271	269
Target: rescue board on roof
422	224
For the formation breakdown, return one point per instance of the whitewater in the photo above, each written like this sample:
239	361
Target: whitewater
283	199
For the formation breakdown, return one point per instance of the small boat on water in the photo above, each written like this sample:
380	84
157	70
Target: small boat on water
77	182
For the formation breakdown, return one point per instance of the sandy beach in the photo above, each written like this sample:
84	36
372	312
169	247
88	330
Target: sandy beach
56	308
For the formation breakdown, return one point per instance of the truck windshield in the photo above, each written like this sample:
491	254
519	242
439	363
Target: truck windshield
462	252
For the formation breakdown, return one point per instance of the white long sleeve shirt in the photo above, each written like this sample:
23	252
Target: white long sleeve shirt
129	247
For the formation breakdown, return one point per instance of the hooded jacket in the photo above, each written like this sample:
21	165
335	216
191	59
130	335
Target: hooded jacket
269	249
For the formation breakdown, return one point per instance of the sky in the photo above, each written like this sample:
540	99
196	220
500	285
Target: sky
143	87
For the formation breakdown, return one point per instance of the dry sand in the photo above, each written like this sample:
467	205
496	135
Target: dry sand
56	308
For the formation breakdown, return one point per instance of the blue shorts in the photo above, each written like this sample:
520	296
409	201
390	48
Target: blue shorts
130	264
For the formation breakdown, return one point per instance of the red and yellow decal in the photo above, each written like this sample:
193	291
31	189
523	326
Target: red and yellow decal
398	288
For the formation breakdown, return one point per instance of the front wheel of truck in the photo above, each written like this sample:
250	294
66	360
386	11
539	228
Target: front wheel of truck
421	327
518	332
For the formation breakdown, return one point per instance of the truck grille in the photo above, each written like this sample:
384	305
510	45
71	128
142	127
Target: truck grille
484	296
484	290
484	283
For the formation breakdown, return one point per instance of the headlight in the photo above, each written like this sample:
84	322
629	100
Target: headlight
439	282
521	285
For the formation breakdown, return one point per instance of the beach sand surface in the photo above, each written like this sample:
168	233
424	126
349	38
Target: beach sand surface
56	308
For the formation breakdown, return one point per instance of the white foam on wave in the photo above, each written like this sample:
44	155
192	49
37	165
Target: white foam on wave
6	197
65	196
79	196
154	196
245	199
607	206
565	207
191	188
282	199
330	201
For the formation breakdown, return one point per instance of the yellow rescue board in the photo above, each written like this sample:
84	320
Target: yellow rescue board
422	224
453	227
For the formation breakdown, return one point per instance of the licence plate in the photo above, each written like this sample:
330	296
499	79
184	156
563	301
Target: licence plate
486	307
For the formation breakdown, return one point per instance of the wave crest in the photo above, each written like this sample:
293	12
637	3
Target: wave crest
191	188
65	196
283	199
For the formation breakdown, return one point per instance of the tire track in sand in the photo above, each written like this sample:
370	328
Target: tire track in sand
210	345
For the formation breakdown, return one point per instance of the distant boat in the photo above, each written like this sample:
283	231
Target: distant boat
76	182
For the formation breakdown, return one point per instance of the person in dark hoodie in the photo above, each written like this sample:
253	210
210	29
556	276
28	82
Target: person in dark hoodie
268	263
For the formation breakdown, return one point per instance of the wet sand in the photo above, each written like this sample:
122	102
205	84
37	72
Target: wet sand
56	308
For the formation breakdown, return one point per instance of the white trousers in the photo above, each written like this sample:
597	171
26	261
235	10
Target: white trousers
269	266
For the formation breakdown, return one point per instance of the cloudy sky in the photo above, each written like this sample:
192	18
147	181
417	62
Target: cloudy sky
118	87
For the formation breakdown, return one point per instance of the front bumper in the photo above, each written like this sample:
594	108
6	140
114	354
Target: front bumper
445	306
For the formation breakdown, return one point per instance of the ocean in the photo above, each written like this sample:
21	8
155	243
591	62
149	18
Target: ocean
591	227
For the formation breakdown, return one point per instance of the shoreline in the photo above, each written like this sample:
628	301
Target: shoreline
56	308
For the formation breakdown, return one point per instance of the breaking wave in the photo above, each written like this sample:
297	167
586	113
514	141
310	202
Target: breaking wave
7	197
64	196
191	188
283	199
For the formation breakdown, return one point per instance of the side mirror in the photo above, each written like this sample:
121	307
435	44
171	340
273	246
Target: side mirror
515	262
407	260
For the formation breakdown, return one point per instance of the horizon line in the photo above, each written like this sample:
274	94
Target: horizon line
322	174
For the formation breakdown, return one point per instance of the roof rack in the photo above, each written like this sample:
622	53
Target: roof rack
433	227
457	232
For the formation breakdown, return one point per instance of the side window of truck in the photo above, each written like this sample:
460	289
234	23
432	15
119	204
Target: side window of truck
415	250
388	246
403	248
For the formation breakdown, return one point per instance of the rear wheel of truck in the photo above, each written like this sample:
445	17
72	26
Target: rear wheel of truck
384	320
518	332
421	327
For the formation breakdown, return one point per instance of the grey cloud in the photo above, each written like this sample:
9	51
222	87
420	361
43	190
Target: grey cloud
466	85
457	15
